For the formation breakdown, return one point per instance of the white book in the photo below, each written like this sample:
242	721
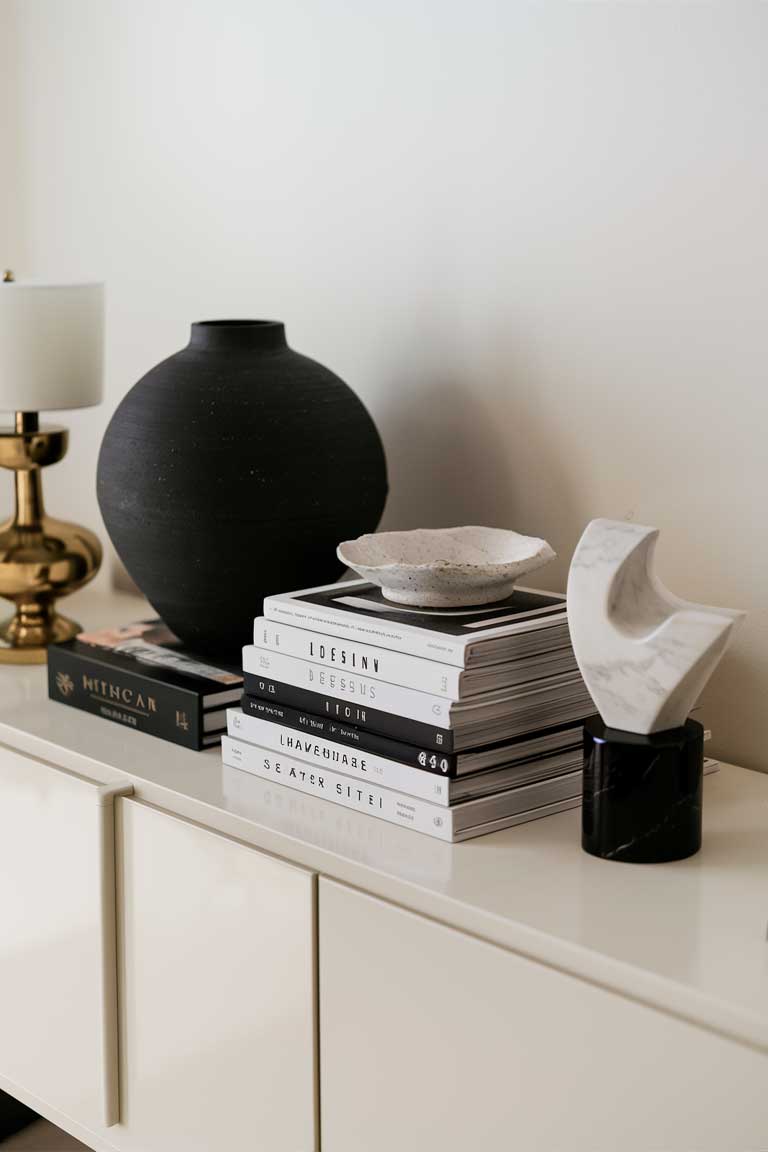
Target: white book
375	769
338	757
344	655
527	621
458	823
415	672
412	704
348	686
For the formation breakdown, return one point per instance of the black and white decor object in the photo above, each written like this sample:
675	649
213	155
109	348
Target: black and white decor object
645	656
138	675
453	722
231	471
527	625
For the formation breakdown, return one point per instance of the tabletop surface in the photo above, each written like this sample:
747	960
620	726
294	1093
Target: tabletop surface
688	937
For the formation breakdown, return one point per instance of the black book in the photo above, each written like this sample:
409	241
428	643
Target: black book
141	677
400	728
448	764
543	704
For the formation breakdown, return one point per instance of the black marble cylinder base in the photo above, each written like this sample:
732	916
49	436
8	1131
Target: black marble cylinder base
642	794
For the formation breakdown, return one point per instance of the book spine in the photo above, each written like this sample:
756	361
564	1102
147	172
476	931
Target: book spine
425	759
359	714
339	758
362	659
348	686
123	697
394	807
368	628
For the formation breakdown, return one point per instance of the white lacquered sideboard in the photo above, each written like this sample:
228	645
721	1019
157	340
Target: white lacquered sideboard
192	959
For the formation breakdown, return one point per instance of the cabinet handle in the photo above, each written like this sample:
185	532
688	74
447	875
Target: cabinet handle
110	1087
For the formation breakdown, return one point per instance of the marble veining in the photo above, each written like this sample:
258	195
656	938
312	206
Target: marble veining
645	654
642	794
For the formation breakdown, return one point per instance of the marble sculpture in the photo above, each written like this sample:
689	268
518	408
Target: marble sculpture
644	653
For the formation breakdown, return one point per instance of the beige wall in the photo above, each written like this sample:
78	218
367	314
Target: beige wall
533	237
10	140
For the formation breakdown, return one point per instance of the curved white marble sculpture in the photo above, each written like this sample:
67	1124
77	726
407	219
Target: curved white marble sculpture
644	653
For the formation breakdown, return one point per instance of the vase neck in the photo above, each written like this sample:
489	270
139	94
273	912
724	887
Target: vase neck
249	334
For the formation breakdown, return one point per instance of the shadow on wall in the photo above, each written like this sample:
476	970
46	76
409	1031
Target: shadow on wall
474	444
120	579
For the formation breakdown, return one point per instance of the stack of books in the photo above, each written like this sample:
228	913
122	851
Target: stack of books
453	722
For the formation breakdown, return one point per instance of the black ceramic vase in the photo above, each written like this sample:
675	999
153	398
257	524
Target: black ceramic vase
231	471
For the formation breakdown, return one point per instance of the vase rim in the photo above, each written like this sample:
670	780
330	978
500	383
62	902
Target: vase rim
237	334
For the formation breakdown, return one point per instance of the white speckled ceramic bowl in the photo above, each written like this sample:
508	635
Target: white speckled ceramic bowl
445	567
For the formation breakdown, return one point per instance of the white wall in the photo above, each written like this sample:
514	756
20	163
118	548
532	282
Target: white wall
532	237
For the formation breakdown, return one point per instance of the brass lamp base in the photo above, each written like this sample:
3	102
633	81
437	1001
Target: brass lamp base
41	559
31	629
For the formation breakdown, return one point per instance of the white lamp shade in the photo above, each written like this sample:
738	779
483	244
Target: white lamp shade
51	346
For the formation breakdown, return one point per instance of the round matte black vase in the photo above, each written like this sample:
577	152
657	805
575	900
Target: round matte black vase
231	471
642	794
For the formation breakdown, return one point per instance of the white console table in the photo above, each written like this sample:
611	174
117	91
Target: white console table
194	960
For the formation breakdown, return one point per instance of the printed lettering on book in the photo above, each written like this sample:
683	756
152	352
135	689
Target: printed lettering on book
106	690
303	774
268	687
386	723
327	727
432	761
335	683
120	717
336	756
339	708
334	655
316	780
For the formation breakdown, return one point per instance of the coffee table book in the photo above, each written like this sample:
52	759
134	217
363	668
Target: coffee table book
139	676
527	622
484	720
459	822
396	775
345	656
449	764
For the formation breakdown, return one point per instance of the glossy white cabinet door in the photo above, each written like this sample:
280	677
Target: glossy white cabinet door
431	1039
217	992
58	1011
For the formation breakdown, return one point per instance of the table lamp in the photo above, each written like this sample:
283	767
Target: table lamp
51	353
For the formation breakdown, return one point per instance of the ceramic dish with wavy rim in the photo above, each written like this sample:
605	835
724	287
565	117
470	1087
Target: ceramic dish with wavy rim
445	567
